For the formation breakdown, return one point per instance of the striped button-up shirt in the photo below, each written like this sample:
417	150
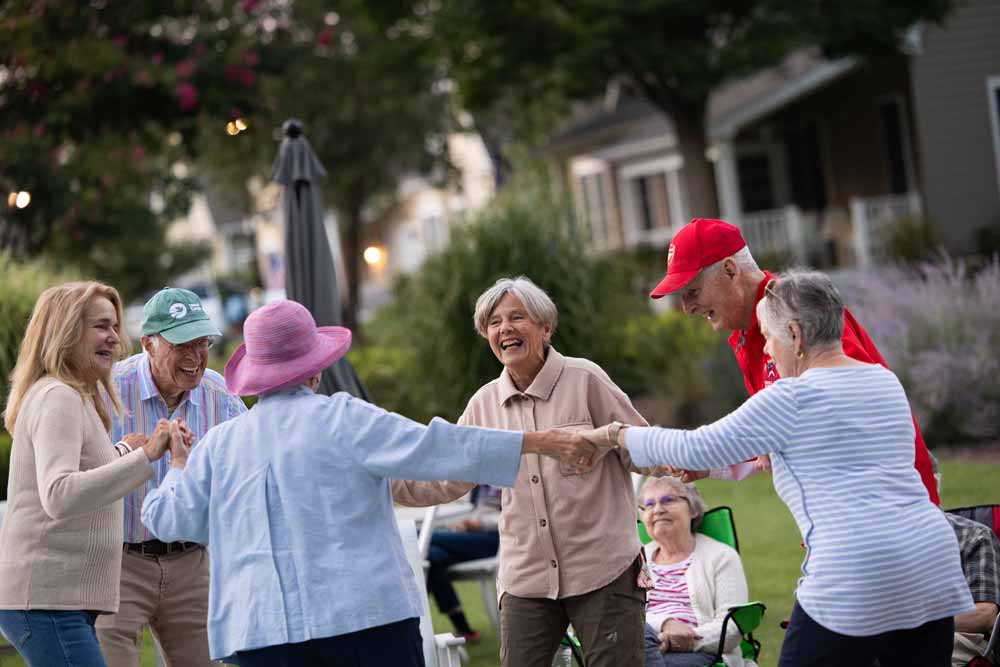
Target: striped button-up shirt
207	405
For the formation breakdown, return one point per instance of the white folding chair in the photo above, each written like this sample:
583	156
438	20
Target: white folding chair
483	570
443	650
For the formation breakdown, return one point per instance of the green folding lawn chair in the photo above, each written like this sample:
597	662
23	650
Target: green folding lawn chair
718	524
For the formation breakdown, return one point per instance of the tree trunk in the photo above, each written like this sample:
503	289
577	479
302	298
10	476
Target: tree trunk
350	235
700	174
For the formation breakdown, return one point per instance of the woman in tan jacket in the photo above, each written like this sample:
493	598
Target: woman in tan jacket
61	541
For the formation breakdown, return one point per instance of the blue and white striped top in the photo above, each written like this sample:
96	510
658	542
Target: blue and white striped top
205	406
879	555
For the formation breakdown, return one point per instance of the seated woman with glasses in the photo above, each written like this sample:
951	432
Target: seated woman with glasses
695	580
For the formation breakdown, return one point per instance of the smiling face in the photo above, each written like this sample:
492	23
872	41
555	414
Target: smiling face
666	513
715	295
95	353
516	340
176	368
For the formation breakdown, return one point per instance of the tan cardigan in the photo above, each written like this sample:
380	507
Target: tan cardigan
61	541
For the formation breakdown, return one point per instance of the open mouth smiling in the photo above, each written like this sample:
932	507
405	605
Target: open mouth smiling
511	343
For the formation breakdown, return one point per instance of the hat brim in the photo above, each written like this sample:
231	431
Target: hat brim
246	377
189	331
673	282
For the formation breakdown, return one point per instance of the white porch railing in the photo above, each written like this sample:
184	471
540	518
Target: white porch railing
872	219
778	231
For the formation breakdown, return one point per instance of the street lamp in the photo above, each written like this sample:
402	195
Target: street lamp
373	255
19	199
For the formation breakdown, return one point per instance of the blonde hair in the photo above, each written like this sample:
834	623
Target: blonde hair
56	328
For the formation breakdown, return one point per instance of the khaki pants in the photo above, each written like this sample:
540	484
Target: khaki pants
609	623
168	593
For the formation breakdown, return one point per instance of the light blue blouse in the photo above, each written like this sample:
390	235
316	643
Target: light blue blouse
293	499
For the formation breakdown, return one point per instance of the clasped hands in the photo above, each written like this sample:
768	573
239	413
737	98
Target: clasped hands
677	637
168	434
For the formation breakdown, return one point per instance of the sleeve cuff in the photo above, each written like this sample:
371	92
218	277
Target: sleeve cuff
635	443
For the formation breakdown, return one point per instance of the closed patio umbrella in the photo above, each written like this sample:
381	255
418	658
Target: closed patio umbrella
310	278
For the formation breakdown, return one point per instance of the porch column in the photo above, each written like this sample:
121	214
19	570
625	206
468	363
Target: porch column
727	182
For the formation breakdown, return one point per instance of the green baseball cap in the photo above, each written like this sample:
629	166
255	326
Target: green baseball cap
177	315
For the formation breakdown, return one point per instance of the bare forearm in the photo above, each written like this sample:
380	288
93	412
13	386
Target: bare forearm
979	620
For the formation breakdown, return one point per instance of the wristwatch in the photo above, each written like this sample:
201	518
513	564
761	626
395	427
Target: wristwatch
616	432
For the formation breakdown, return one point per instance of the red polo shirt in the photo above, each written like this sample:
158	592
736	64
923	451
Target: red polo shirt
759	371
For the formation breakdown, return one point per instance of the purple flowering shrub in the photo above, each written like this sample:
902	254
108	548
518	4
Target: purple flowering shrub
938	327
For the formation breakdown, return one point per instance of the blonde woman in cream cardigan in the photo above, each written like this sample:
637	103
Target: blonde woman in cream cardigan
61	541
694	581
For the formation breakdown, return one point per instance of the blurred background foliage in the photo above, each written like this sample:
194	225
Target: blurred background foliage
422	356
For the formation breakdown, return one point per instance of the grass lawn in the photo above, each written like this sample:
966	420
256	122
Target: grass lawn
769	543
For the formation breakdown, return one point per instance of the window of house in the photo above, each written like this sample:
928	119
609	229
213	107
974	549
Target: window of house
756	184
594	210
652	202
993	90
894	144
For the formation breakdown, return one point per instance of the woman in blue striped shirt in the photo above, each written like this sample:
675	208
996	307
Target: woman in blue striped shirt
881	577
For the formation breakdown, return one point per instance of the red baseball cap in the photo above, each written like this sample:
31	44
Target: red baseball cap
700	243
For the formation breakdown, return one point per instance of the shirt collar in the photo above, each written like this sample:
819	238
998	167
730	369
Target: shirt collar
543	384
739	337
148	389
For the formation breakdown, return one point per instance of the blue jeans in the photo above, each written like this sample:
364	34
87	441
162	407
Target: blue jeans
53	638
449	548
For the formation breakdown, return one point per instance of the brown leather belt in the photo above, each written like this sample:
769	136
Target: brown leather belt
158	548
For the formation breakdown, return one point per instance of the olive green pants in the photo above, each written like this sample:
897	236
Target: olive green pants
609	622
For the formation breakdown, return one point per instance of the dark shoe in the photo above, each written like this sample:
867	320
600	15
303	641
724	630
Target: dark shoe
471	637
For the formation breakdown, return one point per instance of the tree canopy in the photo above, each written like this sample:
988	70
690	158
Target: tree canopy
675	52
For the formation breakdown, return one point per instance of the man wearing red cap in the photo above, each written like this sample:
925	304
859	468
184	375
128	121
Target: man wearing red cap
710	265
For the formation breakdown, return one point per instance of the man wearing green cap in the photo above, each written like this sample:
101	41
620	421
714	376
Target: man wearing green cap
165	585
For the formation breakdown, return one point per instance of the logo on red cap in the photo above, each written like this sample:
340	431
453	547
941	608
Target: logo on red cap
670	256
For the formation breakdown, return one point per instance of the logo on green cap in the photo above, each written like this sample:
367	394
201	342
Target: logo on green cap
177	315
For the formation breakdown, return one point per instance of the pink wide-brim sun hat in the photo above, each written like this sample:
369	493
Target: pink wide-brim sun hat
283	347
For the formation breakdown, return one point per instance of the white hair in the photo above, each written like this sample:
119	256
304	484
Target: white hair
537	303
742	258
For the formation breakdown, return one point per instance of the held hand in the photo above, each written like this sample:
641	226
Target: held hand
186	433
135	440
677	636
688	476
763	463
600	437
565	446
179	449
157	444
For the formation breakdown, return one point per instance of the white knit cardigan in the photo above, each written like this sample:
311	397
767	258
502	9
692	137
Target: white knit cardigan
715	582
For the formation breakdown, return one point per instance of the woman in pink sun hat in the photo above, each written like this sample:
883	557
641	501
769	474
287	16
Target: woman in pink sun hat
294	500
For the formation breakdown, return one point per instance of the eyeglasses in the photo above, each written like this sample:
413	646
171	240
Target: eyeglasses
196	345
664	500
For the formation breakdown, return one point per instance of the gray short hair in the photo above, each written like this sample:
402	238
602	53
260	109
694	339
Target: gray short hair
537	303
809	298
695	502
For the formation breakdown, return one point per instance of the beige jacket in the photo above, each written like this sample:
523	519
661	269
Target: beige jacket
61	541
561	534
